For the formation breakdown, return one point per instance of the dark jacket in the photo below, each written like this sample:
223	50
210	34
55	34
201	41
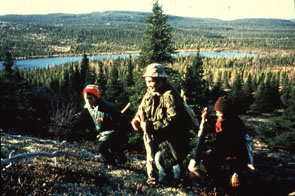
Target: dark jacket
230	143
112	119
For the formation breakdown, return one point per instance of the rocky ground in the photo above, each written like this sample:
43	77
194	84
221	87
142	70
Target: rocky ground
82	174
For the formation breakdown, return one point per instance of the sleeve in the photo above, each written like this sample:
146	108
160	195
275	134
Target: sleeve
141	106
82	121
116	120
121	121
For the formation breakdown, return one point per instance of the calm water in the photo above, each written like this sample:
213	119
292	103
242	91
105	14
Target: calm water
45	62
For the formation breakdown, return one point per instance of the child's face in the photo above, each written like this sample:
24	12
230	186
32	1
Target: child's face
219	114
90	98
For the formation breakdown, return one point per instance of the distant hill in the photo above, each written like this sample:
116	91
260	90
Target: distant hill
119	31
132	17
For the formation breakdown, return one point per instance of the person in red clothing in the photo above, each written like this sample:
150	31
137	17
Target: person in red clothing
229	149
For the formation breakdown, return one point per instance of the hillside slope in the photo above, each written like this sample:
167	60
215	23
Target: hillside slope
84	175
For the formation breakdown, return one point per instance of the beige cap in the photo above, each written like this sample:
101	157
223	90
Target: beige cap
155	70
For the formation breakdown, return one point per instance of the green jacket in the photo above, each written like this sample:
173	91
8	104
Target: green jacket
167	114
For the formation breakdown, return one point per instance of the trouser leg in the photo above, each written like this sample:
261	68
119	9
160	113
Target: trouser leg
149	156
117	149
161	169
105	146
249	147
103	149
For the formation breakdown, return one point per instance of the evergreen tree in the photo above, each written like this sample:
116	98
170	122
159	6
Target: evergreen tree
75	88
248	92
194	85
279	133
8	62
157	48
157	42
217	90
267	98
226	79
127	78
274	88
101	79
65	85
17	108
114	88
286	92
236	94
90	77
84	70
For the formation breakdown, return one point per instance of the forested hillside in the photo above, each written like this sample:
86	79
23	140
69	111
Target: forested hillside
43	102
121	31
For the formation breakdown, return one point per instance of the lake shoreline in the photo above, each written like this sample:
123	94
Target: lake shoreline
272	52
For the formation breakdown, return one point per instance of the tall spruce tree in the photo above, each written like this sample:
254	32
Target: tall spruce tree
114	88
101	79
65	85
267	97
248	92
286	92
8	62
84	70
127	78
75	84
90	77
194	85
236	94
157	48
17	108
157	42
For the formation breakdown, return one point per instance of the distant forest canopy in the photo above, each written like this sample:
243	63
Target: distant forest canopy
121	31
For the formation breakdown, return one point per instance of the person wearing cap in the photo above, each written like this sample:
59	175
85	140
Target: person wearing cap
104	120
160	116
229	146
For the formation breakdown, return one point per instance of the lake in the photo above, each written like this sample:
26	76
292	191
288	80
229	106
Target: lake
45	62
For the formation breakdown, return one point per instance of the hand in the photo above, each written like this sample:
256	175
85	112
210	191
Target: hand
192	165
204	113
235	180
135	123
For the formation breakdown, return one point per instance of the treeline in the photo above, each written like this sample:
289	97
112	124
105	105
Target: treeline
42	101
64	34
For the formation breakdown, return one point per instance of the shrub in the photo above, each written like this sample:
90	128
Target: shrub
279	134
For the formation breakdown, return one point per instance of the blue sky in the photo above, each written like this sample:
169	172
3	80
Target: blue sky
221	9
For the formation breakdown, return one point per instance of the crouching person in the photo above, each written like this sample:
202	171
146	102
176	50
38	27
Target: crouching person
229	154
160	116
108	123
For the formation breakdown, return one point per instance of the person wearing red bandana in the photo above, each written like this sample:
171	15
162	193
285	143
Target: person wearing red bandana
229	147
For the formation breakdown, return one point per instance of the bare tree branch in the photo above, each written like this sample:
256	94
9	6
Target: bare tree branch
63	143
22	156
